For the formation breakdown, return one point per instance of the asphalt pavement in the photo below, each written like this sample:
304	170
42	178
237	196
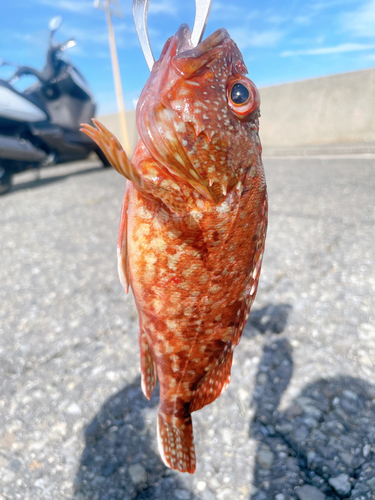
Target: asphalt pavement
298	419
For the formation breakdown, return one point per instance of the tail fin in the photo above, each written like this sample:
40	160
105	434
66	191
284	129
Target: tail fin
176	442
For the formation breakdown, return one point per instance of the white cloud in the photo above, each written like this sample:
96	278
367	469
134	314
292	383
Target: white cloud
222	7
320	6
313	9
277	19
34	42
162	7
362	21
124	34
303	20
77	6
303	41
245	38
26	37
94	36
222	10
345	47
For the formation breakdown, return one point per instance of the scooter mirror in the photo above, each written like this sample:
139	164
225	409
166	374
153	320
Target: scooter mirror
67	45
55	23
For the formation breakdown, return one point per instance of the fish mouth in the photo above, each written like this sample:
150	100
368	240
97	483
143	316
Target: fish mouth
185	48
188	60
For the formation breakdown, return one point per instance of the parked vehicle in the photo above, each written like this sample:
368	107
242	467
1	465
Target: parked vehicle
40	126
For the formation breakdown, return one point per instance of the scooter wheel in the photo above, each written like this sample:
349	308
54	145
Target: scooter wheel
5	180
102	157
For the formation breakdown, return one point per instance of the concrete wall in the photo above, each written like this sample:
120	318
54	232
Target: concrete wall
333	109
112	123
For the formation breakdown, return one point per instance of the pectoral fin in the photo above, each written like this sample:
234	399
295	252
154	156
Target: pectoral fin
118	159
113	151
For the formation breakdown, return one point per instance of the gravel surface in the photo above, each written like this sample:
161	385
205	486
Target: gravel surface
298	419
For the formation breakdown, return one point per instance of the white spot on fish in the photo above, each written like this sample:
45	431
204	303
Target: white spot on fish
194	173
223	208
158	244
180	127
172	261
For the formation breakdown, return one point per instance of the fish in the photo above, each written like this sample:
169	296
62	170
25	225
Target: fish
192	227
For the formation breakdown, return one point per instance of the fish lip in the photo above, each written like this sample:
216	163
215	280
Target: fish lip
183	36
185	48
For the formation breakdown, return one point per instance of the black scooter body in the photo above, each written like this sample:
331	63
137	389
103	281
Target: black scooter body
56	106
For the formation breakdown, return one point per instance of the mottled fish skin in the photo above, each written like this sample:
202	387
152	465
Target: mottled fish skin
192	228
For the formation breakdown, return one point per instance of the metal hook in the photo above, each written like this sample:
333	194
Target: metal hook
140	8
202	11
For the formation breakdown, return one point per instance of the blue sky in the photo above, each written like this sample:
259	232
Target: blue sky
281	41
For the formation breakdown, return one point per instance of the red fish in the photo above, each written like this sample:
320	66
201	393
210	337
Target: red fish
193	226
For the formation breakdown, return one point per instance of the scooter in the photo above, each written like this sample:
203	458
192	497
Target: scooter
40	126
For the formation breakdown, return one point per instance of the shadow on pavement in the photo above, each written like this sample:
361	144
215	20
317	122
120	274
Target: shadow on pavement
118	461
322	445
33	183
269	319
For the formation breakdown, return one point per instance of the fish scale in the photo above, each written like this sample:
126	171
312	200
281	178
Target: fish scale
192	228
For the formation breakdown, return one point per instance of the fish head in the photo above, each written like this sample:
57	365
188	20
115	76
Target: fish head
198	112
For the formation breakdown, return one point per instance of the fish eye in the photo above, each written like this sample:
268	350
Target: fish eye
243	97
239	94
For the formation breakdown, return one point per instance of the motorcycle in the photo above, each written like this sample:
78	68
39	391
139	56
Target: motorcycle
40	126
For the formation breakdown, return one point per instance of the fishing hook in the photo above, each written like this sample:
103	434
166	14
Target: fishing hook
140	9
